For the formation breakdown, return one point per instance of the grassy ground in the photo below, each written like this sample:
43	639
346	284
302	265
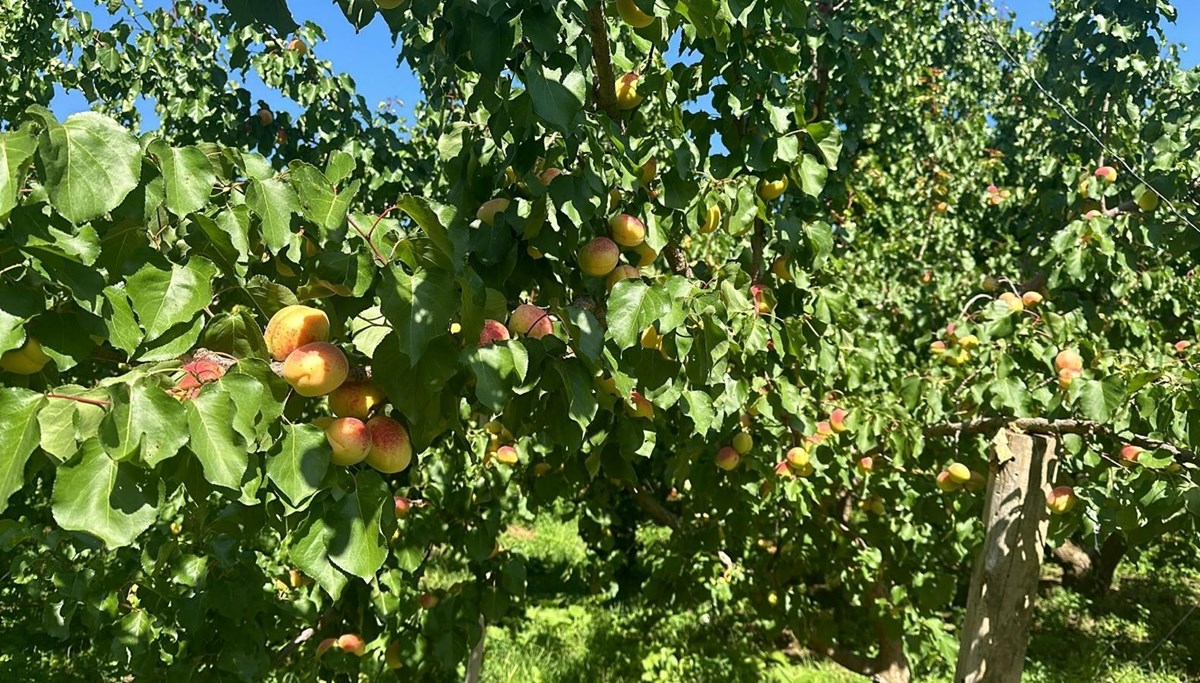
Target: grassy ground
1146	630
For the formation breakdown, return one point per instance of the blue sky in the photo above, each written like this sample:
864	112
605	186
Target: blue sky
368	56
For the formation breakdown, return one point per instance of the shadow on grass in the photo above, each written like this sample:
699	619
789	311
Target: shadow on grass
1146	629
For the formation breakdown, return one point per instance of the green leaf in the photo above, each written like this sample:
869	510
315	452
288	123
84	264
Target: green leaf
310	552
495	374
557	97
829	141
812	175
274	202
1100	399
124	332
18	437
581	392
113	501
429	218
418	306
322	203
210	420
358	545
163	299
89	163
236	333
187	174
16	149
298	463
632	307
143	421
18	305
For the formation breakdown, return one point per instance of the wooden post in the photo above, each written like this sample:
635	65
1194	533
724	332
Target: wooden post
1004	583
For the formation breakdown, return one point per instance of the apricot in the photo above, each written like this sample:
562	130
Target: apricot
356	399
403	506
772	189
350	440
507	455
599	257
316	369
797	457
352	643
627	231
294	326
728	458
493	331
646	255
627	94
633	15
619	273
530	321
298	46
1031	299
1107	173
1061	499
742	443
27	360
959	474
1012	301
639	406
391	449
712	219
945	483
1068	359
648	172
837	420
780	268
488	210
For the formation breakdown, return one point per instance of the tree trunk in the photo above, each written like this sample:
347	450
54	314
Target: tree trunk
1004	583
1088	570
475	661
891	666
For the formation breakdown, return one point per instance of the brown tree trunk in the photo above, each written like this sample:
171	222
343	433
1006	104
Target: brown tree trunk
1089	570
1004	583
891	665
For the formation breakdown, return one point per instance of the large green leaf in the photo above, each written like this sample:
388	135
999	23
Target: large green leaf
558	95
113	501
310	551
418	306
222	455
16	149
299	462
632	307
187	174
358	544
144	422
165	298
274	202
89	163
18	437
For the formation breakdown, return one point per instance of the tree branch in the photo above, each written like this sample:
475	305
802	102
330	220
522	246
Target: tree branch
652	507
757	241
602	58
1041	425
677	260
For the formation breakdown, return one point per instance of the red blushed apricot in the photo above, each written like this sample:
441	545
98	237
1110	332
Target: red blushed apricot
391	449
350	440
492	332
598	257
294	326
530	321
316	369
356	399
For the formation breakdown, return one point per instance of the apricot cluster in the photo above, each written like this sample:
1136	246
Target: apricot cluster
357	431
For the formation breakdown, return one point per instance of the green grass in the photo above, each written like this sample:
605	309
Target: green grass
1145	630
